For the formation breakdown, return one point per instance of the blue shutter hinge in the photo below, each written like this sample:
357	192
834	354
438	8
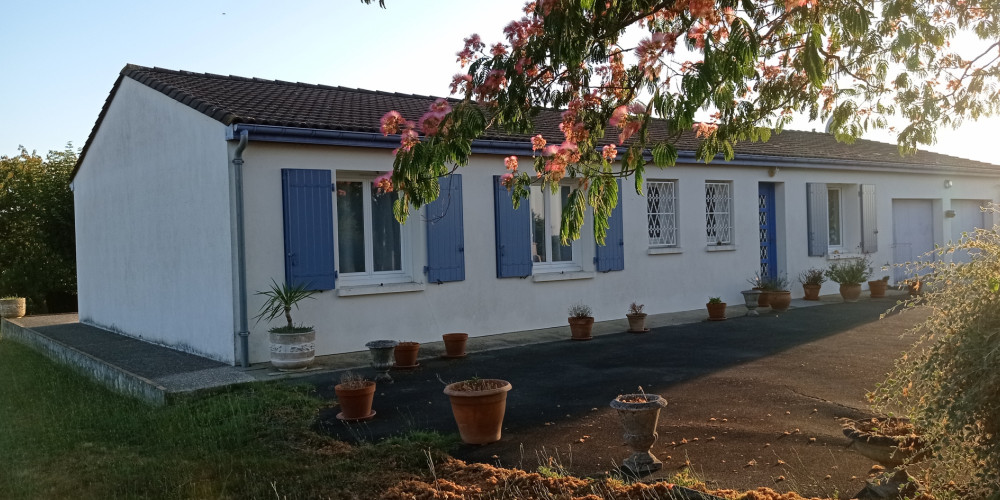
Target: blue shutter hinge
595	260
427	269
335	274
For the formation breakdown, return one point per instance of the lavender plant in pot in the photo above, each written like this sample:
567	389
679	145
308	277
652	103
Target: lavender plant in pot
581	321
292	347
636	318
850	275
812	280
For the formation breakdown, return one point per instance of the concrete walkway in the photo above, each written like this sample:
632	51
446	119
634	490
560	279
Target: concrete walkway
158	374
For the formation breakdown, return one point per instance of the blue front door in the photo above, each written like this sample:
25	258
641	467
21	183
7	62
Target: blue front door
768	241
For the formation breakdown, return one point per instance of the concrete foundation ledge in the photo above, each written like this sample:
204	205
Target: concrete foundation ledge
113	377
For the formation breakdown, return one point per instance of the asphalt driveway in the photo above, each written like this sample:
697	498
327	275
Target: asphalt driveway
752	401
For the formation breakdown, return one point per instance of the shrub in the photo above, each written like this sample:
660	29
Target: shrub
852	272
580	310
948	384
812	276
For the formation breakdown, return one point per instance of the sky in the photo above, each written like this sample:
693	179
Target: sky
60	59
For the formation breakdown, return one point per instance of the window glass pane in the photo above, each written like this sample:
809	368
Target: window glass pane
560	252
350	227
386	247
539	250
833	200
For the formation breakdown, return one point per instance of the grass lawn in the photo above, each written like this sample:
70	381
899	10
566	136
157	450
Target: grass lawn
63	436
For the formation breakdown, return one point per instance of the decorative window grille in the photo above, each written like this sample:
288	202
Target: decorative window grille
661	213
719	213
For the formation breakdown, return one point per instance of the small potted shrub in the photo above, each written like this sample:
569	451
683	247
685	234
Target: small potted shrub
12	307
355	396
850	275
581	321
636	318
716	309
292	347
478	406
878	287
776	288
812	280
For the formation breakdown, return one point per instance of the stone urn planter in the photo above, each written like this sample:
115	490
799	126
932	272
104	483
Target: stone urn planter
750	298
382	358
355	397
454	344
850	291
479	406
877	288
811	292
406	355
292	351
639	414
888	440
12	307
779	300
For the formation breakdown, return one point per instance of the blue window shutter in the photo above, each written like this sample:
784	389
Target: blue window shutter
611	255
445	233
307	202
513	233
869	221
817	208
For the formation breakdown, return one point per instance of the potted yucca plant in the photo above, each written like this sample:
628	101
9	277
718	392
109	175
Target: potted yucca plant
636	318
850	275
292	347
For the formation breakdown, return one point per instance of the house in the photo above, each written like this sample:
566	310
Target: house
196	190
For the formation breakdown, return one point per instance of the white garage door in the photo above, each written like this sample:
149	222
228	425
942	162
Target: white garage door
968	217
912	234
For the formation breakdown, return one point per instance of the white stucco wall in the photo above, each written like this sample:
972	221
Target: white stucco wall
153	225
484	304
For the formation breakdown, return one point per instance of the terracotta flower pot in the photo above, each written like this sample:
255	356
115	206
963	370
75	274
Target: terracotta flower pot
12	308
355	404
762	298
454	344
811	291
716	312
406	354
850	291
637	323
780	300
877	288
478	407
580	328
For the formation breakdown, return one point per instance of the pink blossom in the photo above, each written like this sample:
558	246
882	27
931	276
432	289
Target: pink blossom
537	142
408	139
637	108
507	179
510	162
441	106
609	152
391	122
704	129
617	116
628	130
384	182
461	80
429	123
550	150
498	50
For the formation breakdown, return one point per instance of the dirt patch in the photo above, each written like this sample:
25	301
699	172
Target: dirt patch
457	480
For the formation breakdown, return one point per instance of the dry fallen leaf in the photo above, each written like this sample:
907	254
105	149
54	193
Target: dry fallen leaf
827	476
781	462
751	463
779	479
788	413
712	438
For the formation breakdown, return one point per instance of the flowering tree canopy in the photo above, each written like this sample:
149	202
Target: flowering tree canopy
743	67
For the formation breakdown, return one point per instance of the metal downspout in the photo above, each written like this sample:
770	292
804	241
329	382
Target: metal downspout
243	331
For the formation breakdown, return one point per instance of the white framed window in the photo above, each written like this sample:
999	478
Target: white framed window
548	254
719	213
372	247
661	213
835	215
